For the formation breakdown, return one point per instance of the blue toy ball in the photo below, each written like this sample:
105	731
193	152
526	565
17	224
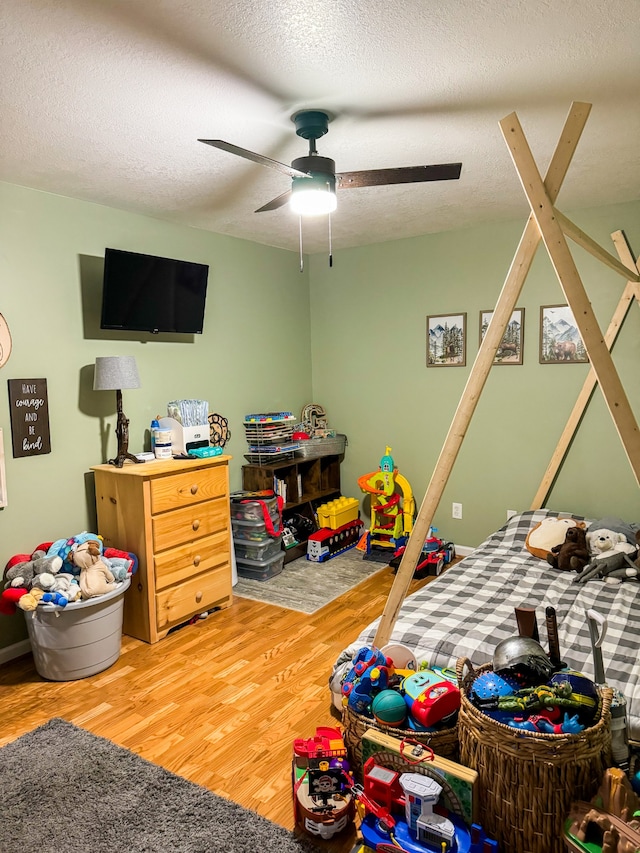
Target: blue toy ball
389	708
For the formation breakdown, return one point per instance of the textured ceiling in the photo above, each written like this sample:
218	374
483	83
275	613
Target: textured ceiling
104	100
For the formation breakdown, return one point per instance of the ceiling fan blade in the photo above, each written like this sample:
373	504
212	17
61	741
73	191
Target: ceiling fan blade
275	203
402	175
256	158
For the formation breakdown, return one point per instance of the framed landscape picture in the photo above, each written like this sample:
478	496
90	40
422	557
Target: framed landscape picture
560	340
446	340
510	349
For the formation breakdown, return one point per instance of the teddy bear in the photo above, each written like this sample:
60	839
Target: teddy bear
96	578
23	573
573	554
601	540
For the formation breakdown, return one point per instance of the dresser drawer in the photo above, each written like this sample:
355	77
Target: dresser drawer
189	487
179	564
193	522
177	603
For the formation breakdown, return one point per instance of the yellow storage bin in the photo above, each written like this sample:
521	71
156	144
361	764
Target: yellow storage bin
337	512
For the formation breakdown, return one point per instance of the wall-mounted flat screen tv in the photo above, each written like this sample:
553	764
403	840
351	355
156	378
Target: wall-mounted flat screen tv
144	293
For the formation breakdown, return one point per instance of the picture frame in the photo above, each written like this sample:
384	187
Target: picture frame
447	340
560	339
511	349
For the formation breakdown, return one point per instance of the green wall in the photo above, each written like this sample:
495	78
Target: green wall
368	327
254	354
361	325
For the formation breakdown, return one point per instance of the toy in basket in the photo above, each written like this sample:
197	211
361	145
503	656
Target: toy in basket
322	801
402	813
424	707
528	778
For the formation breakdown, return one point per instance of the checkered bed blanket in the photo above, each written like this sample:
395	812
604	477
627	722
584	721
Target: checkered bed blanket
469	609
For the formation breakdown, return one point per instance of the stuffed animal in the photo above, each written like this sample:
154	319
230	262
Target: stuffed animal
9	598
551	531
67	585
601	540
96	577
617	525
613	567
119	567
573	554
22	574
31	599
64	548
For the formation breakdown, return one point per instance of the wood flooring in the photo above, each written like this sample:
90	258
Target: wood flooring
218	702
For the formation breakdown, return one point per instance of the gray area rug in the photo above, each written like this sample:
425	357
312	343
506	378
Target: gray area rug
306	586
64	790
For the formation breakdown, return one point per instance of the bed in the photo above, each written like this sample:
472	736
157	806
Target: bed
471	607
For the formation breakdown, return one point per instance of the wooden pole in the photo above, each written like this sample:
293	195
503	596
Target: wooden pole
573	289
565	149
631	291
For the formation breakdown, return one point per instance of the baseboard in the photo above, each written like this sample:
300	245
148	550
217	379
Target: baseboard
464	550
15	651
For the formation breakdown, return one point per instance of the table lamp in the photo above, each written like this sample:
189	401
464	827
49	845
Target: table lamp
113	373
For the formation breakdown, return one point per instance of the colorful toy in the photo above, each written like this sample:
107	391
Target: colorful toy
391	518
322	801
539	723
436	554
401	813
369	674
429	697
326	543
389	708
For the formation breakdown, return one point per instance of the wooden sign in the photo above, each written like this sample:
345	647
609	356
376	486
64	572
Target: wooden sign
29	410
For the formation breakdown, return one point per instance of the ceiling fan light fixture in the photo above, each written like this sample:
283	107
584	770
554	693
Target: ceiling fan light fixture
313	196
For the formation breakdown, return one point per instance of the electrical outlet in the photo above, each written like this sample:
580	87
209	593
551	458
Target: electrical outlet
511	513
456	510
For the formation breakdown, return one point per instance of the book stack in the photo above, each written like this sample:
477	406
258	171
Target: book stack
270	438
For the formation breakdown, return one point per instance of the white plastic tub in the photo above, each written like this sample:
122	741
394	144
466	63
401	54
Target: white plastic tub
80	639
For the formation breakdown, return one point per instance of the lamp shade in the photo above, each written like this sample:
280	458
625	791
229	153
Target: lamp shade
313	196
115	372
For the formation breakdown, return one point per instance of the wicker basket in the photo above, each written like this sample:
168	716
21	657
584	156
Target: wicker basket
444	742
527	782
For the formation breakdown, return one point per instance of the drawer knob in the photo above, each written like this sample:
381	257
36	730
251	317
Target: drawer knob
196	560
198	597
196	524
194	490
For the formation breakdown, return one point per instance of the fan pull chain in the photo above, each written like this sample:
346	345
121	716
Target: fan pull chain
330	244
301	258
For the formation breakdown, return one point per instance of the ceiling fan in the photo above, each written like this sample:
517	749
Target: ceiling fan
314	184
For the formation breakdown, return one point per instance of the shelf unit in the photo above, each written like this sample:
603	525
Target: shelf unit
309	482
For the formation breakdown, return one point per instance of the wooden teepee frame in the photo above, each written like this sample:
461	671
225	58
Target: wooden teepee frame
552	227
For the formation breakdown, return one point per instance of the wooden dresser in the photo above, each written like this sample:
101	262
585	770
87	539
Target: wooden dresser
174	515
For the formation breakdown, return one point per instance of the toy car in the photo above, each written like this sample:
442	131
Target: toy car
431	562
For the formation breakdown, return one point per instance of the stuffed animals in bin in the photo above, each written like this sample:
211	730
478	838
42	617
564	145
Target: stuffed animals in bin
63	571
390	690
526	691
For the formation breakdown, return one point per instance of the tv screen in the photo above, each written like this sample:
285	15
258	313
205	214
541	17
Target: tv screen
144	293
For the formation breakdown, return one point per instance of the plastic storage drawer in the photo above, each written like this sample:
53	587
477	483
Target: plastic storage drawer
248	510
261	570
255	531
259	551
